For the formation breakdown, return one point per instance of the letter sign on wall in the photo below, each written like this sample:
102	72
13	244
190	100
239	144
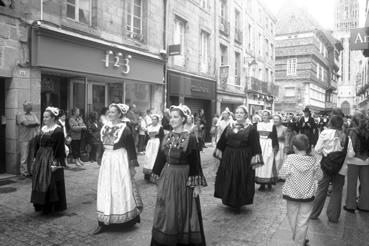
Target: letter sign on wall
359	39
117	60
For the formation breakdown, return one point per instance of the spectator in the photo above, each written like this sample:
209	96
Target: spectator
141	134
308	127
213	130
331	140
28	124
165	121
77	126
93	129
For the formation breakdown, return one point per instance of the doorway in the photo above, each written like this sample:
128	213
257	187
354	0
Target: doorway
2	126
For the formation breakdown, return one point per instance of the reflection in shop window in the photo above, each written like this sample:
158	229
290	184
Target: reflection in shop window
79	96
138	94
79	10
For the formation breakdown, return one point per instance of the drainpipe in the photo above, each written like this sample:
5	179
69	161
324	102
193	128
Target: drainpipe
165	56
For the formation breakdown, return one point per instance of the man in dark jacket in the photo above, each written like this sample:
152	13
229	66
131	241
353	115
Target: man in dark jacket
307	126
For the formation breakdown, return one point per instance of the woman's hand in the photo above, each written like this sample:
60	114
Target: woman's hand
196	191
218	154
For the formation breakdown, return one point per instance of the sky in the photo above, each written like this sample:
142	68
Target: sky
321	10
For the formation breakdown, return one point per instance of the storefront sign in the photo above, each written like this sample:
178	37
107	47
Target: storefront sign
199	88
117	60
359	39
174	49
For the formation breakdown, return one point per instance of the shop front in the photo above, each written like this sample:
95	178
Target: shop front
195	92
89	73
230	101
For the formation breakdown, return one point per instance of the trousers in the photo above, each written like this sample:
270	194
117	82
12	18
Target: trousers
335	201
298	214
355	172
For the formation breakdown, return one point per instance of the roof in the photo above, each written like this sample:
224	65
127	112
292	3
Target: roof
292	19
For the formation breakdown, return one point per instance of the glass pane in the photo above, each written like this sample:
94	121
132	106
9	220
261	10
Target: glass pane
138	94
98	97
137	23
137	11
138	2
71	11
79	96
71	1
84	11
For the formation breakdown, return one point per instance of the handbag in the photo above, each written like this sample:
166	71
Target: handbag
333	162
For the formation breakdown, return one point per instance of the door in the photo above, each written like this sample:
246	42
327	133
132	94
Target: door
97	96
2	125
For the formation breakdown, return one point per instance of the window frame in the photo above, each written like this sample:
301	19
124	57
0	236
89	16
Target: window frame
131	12
204	50
291	66
76	6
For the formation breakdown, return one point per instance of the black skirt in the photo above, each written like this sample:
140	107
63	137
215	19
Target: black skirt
48	188
235	179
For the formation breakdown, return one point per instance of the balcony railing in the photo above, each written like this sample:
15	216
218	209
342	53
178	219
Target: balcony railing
223	25
238	34
263	87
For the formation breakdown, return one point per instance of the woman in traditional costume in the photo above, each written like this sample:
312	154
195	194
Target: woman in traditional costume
237	146
156	134
282	142
178	173
48	187
267	174
118	200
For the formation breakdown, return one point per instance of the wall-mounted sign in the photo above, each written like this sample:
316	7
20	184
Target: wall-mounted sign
117	60
174	49
359	39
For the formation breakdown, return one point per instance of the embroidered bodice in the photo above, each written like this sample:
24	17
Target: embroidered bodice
110	134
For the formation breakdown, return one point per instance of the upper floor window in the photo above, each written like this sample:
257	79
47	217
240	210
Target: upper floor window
204	51
223	9
134	17
204	4
223	55
292	66
179	38
79	10
237	68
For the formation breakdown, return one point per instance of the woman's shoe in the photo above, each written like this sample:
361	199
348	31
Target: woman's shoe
262	188
306	242
98	230
349	209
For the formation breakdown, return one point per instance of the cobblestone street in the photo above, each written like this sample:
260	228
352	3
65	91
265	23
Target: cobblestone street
263	223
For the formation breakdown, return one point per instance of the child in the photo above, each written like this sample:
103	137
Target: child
301	171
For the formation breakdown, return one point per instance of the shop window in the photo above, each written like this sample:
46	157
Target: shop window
138	94
79	10
53	92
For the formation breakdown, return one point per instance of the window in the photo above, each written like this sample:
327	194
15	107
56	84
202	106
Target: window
223	9
204	4
237	26
134	17
266	48
289	92
260	74
79	10
224	55
292	66
179	38
317	70
250	36
237	68
321	73
204	52
260	44
271	51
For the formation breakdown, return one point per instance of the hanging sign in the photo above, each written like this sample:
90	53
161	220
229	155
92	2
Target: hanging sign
359	39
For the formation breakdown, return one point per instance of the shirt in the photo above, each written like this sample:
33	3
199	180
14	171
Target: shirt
26	133
328	142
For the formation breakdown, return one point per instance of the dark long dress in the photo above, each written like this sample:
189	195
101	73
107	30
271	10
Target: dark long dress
48	188
177	169
234	182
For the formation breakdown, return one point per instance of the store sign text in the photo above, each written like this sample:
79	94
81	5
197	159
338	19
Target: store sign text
359	39
117	60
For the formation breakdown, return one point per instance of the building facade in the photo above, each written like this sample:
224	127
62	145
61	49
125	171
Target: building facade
245	49
191	70
347	15
306	63
82	53
362	83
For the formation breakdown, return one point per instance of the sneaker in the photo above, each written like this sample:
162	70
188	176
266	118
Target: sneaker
350	210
